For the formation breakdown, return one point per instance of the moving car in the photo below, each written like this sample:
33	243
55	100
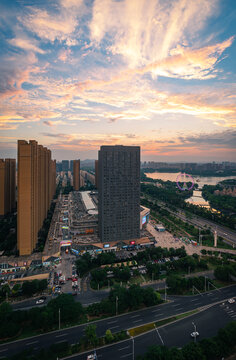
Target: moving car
92	357
194	334
39	301
231	301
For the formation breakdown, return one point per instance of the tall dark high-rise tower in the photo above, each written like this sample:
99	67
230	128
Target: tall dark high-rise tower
119	192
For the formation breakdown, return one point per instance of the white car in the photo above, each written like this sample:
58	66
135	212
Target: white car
92	357
40	301
194	334
231	301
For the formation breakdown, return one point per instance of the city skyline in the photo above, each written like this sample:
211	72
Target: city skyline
160	75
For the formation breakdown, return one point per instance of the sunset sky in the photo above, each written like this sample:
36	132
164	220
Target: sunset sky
78	74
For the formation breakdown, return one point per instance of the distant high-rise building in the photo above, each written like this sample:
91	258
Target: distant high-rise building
76	174
7	185
119	193
96	173
65	165
71	165
59	166
36	187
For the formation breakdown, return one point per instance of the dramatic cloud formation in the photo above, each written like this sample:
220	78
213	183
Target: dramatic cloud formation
155	73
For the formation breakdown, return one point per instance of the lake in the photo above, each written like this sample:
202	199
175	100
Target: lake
197	198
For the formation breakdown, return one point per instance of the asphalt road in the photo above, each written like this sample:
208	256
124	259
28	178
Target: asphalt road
223	231
179	304
176	334
90	296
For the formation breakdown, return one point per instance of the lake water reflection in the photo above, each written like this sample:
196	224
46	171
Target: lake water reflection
197	198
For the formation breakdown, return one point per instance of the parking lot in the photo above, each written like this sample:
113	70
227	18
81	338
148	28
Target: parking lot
166	239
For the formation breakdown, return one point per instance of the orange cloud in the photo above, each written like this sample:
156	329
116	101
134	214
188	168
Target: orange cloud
26	44
146	31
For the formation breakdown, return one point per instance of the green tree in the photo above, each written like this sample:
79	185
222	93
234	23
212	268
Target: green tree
193	351
210	348
91	336
150	297
222	273
15	290
134	296
69	309
108	336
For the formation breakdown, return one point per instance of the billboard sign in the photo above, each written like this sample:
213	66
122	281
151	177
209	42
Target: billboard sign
144	219
106	245
65	243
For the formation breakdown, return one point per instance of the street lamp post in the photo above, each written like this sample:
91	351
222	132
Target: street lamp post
133	347
205	283
116	305
195	330
59	319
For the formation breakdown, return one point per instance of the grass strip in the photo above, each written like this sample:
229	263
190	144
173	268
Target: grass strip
141	329
147	327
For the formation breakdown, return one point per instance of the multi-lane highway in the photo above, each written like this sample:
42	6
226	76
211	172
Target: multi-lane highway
173	335
177	305
227	234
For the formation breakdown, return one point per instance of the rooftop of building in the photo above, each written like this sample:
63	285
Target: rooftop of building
87	200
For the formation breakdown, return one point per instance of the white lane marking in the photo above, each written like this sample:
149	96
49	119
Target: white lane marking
158	314
31	343
134	316
126	347
194	300
134	321
123	356
155	310
114	327
58	342
4	350
112	322
176	304
61	335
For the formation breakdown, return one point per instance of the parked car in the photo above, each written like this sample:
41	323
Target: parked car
231	301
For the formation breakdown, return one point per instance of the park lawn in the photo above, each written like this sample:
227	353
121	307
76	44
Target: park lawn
136	280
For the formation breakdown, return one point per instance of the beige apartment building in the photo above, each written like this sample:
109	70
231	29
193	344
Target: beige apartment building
7	185
36	187
76	174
